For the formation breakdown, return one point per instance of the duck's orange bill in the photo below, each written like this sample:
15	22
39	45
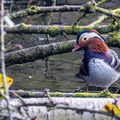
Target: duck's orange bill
78	46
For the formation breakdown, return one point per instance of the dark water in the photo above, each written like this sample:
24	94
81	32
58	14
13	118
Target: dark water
60	76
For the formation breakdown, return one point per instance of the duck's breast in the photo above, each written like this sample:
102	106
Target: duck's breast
100	73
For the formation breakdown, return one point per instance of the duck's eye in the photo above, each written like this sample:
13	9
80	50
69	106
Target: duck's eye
84	38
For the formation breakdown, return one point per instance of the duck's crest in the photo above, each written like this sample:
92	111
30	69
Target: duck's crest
97	45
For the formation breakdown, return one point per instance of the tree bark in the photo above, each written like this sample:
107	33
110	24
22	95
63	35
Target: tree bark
38	52
38	10
58	29
60	108
87	8
30	94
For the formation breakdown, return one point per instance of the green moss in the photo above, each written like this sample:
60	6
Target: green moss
25	13
101	2
84	95
33	9
110	27
77	29
53	30
24	26
113	25
68	29
54	51
104	11
115	39
31	94
65	47
91	6
117	11
81	9
13	16
115	35
105	93
58	94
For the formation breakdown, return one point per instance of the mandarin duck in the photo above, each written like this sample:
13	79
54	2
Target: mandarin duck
100	65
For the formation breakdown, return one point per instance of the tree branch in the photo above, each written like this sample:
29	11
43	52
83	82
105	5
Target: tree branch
59	29
108	12
43	51
39	107
30	94
87	8
38	52
37	10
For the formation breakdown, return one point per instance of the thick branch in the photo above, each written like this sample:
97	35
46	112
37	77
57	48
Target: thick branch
77	108
30	94
87	8
38	52
58	29
38	10
43	51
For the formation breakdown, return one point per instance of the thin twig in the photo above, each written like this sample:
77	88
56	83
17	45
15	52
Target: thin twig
81	16
48	37
101	2
79	110
100	19
11	5
3	62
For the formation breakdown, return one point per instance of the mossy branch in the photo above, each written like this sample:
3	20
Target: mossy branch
29	94
43	51
87	8
65	8
59	29
101	2
38	52
109	12
97	22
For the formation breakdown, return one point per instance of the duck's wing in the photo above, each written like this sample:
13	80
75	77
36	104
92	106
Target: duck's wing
115	63
78	76
113	53
82	72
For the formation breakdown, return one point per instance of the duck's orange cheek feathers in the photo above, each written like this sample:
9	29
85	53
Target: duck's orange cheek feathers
78	46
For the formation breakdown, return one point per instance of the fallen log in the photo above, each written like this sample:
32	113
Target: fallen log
60	108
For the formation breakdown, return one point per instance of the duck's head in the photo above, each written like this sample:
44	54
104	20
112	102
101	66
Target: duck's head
86	37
